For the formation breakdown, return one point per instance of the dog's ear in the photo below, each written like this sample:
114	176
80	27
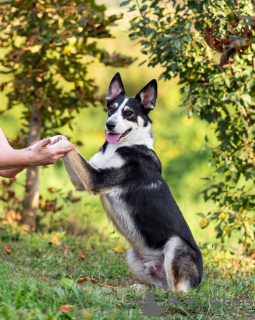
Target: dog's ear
116	87
148	95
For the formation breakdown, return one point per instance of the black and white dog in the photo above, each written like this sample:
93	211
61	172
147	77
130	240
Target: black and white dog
126	172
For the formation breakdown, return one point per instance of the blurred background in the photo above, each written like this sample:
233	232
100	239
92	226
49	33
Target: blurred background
179	142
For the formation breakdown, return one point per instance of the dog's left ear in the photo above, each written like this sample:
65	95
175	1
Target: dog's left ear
116	88
148	95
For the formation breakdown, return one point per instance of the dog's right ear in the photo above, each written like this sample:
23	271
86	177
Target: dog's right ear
116	88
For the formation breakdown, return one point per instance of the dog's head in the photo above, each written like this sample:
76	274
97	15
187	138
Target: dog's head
128	117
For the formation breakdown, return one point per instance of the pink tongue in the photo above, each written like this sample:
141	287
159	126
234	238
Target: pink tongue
112	138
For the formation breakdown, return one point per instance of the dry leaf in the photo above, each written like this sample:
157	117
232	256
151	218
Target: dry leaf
81	254
7	249
65	307
56	238
118	249
106	286
83	280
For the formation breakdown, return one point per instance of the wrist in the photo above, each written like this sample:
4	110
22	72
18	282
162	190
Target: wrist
30	158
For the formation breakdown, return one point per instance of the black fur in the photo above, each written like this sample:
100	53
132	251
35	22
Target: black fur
154	209
137	198
134	105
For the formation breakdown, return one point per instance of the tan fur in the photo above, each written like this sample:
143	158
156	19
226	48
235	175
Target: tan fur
73	161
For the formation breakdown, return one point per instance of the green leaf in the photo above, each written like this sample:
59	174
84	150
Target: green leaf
124	3
178	44
68	283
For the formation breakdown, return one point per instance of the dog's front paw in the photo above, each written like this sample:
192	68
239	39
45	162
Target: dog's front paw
139	287
56	139
59	141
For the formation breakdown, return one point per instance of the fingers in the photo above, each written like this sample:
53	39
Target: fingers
64	150
61	155
42	143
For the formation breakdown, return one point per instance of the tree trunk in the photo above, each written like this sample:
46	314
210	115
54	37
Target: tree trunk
31	200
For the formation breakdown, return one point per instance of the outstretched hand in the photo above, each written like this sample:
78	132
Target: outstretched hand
43	155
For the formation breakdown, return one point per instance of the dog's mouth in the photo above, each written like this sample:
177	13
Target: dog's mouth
115	137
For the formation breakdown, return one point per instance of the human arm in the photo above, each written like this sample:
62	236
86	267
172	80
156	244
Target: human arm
14	161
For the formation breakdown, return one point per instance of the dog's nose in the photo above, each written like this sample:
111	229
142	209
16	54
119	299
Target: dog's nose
110	125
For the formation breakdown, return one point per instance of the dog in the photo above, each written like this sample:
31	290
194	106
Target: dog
126	173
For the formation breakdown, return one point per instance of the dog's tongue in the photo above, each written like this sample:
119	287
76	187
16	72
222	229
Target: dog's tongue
112	138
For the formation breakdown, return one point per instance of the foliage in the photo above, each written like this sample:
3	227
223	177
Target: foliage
38	277
50	43
48	208
173	34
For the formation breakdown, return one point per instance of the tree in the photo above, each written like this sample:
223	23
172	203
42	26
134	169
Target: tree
51	43
182	36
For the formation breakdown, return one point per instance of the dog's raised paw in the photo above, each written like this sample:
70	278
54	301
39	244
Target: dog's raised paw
139	287
63	142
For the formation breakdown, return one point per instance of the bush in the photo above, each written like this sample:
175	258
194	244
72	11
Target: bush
182	37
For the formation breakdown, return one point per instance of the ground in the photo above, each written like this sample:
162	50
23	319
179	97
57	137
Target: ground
39	277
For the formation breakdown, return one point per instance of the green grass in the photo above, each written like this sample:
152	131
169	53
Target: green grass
37	278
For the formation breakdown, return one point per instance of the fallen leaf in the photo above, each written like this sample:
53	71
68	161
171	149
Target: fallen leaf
56	238
65	307
7	249
83	280
118	249
106	286
81	254
118	304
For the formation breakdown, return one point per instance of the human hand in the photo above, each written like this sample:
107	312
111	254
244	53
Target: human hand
43	155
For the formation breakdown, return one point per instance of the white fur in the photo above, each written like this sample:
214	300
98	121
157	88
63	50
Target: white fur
169	251
139	287
153	185
138	135
109	159
122	217
184	286
117	117
52	139
137	267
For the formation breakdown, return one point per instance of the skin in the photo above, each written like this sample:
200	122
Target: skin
14	161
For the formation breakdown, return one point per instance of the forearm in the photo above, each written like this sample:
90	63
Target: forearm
10	173
14	159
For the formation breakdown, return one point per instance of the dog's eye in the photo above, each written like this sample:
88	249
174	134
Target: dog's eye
111	109
128	113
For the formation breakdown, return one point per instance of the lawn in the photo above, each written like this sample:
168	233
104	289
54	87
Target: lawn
39	277
39	272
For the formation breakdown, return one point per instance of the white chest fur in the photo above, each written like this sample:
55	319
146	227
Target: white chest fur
108	159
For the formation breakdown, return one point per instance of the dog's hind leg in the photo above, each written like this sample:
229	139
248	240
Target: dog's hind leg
151	272
182	265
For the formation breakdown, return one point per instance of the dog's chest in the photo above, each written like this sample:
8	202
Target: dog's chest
107	159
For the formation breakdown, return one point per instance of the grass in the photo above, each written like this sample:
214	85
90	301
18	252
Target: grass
38	277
